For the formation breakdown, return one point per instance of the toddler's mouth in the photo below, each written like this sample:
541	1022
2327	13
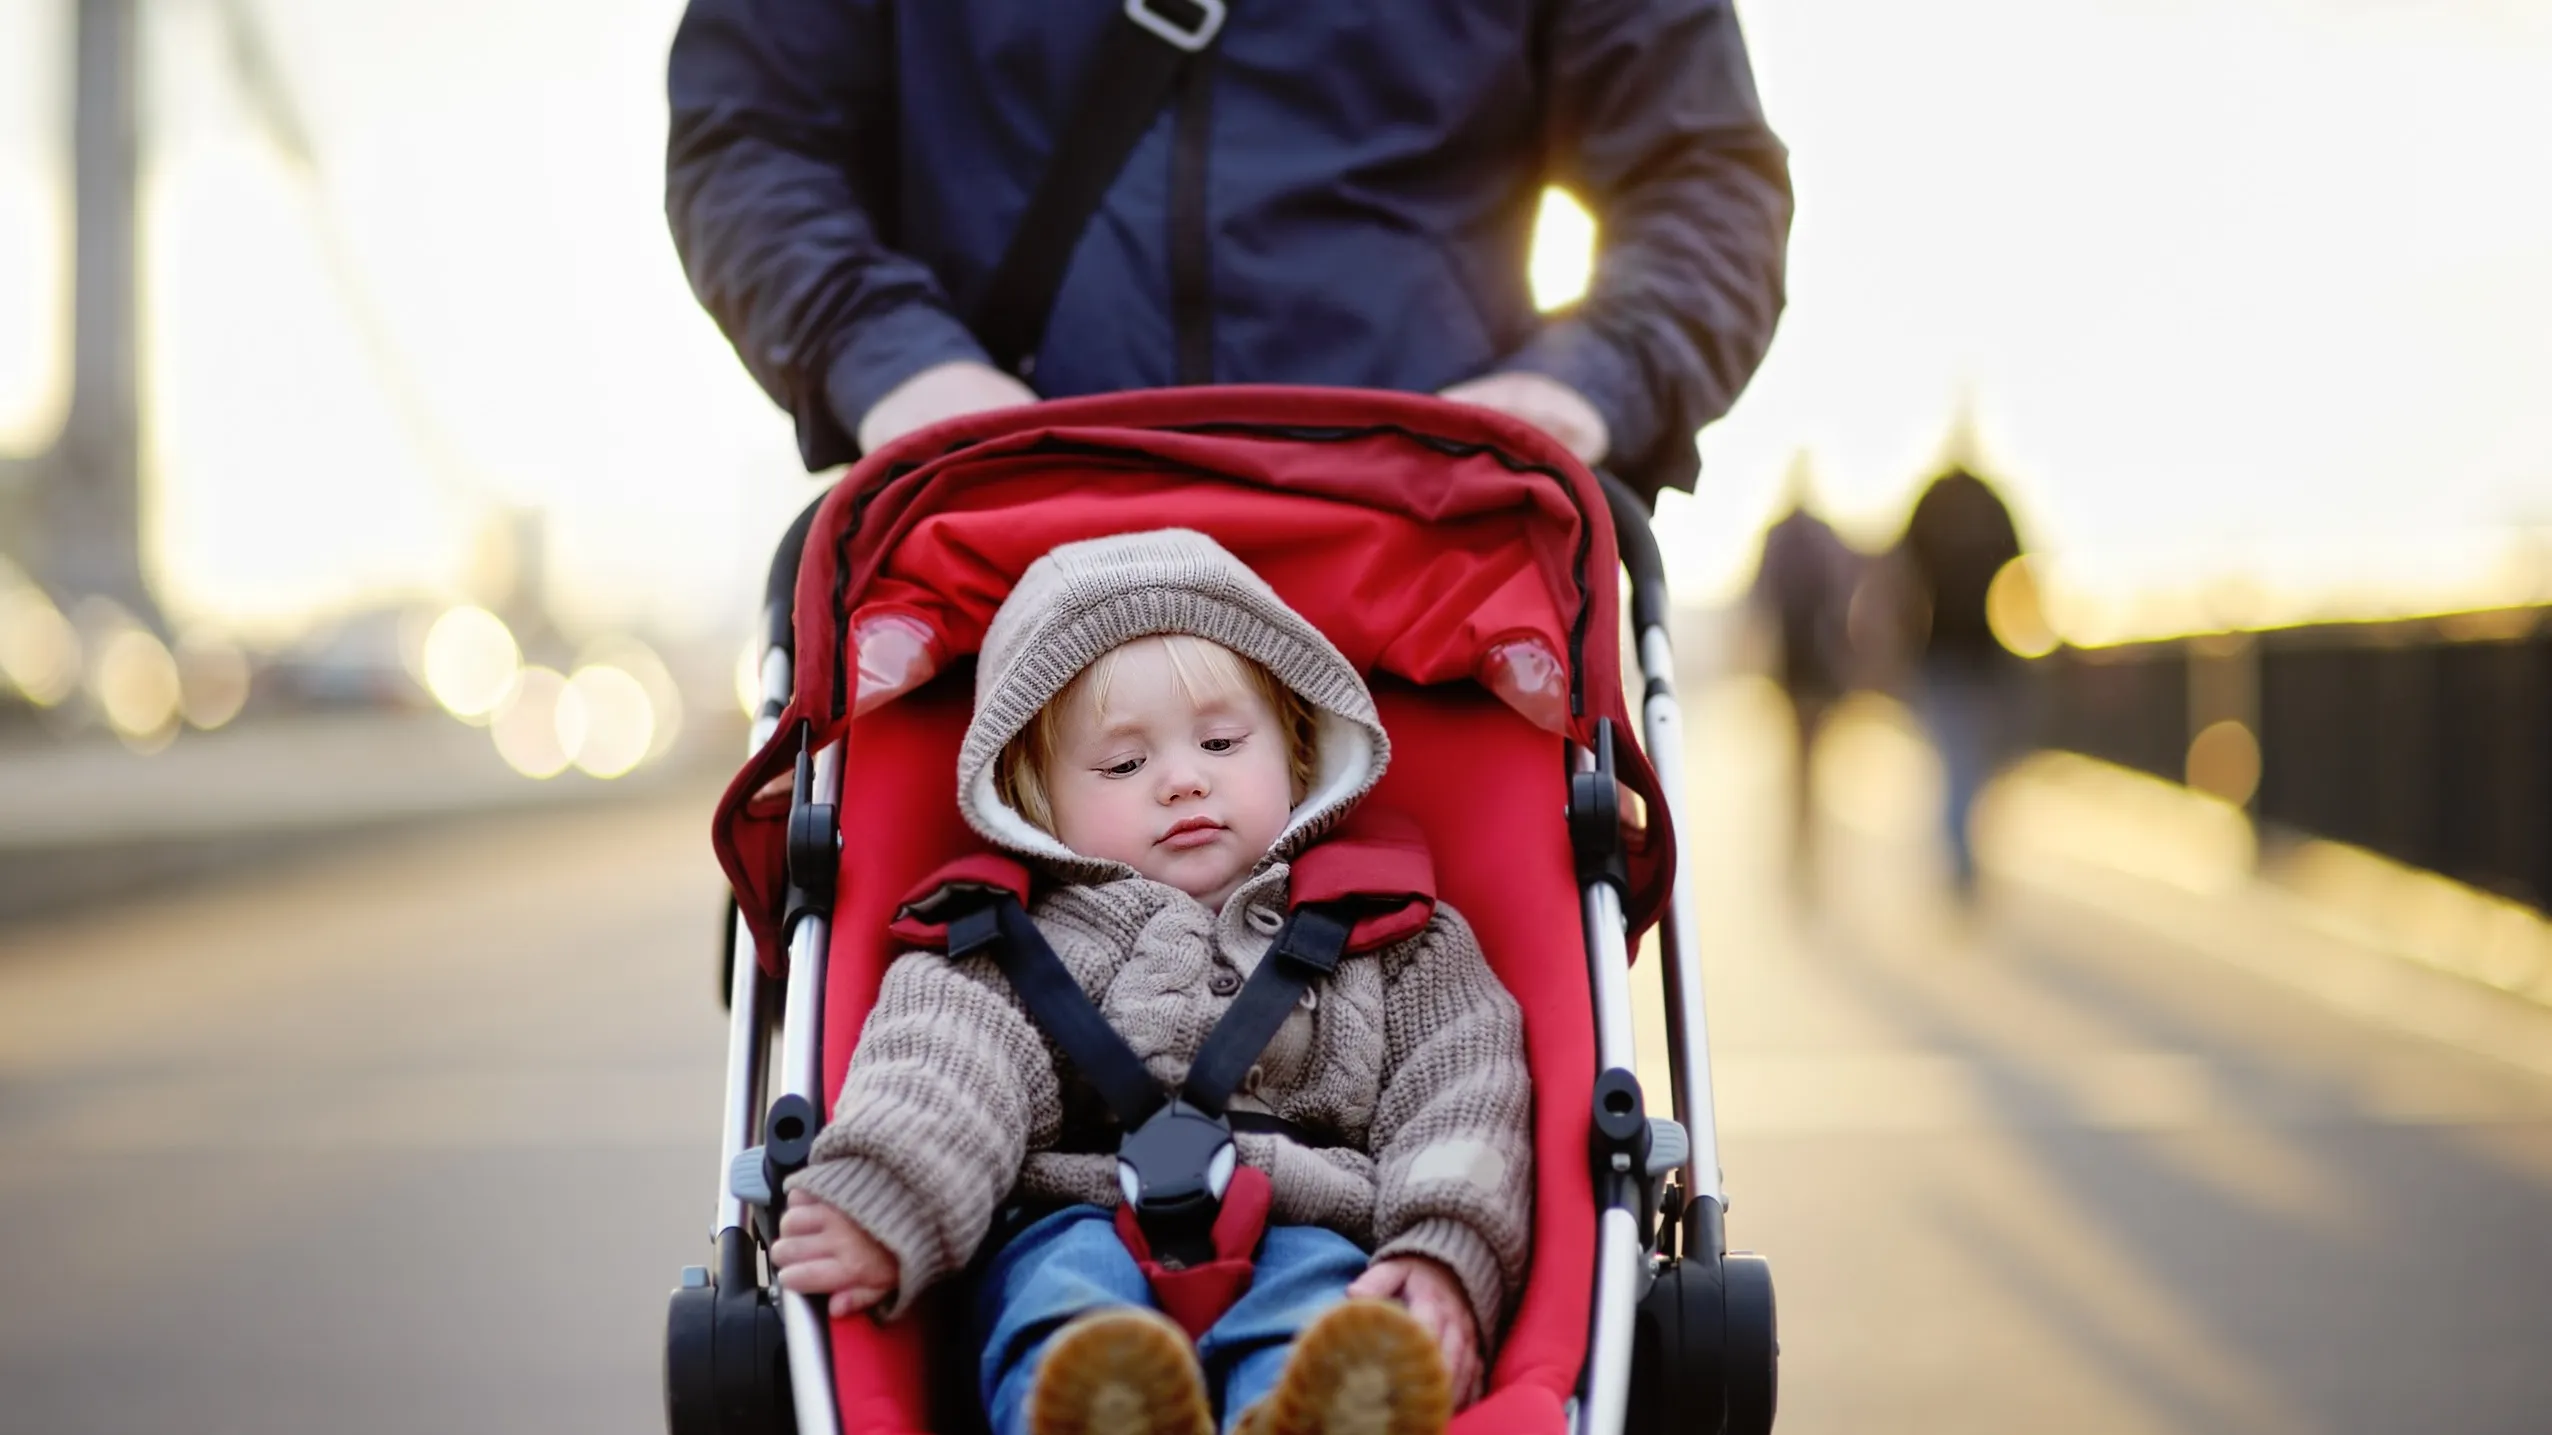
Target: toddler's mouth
1191	832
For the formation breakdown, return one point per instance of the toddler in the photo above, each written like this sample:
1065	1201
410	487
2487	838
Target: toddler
1159	736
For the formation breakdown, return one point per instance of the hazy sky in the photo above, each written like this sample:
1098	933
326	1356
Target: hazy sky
2236	283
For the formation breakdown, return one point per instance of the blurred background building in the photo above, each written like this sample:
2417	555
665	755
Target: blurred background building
257	448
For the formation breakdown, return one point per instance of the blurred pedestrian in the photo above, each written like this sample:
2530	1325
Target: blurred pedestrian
1801	601
904	210
1967	684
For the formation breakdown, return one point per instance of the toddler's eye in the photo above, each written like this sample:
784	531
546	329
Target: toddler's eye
1220	744
1127	768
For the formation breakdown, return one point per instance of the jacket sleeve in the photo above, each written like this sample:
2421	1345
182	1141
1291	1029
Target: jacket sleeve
1453	1134
778	168
1656	127
949	1088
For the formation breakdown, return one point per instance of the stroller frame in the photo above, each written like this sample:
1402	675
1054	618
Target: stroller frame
1682	1332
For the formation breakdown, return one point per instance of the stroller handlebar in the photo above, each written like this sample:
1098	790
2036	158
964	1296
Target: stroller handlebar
1638	545
779	592
1631	533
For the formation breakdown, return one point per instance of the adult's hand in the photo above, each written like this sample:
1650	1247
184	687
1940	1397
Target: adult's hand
942	391
1546	404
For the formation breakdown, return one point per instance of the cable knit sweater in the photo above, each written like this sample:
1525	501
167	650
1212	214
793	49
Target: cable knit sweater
1410	1058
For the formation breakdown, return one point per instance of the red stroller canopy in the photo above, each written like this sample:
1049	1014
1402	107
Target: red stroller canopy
1430	541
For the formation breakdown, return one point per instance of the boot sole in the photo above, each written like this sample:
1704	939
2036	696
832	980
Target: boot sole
1365	1368
1119	1372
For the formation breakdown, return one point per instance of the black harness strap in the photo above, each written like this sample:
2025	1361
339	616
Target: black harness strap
1058	1005
1260	1123
1306	949
1104	1141
1174	1153
1138	63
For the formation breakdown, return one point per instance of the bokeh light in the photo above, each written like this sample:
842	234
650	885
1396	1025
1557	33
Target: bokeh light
664	693
212	679
2015	612
618	721
136	685
471	661
2224	761
39	649
539	724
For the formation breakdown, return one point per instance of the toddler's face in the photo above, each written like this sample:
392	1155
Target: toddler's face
1187	793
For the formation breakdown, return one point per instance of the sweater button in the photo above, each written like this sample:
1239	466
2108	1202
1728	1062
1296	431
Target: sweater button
1224	982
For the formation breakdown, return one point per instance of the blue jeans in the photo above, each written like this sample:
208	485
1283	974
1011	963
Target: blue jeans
1072	1261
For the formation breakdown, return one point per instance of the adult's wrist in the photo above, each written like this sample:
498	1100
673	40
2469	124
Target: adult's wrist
887	351
942	391
1579	357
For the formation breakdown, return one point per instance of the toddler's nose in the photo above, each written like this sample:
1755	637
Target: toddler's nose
1181	780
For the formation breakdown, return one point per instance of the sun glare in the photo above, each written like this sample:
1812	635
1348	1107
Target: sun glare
1563	262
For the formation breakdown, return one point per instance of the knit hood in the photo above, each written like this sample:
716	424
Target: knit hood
1083	599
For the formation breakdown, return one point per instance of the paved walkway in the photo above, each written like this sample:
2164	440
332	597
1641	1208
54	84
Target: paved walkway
413	1135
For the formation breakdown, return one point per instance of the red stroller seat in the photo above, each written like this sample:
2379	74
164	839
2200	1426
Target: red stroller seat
1451	554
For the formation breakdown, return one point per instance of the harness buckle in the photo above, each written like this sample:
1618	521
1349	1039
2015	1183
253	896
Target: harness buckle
1173	1170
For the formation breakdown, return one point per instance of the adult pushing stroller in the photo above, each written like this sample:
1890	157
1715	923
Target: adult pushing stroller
1466	564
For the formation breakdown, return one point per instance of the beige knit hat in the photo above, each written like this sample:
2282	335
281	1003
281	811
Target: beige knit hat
1083	599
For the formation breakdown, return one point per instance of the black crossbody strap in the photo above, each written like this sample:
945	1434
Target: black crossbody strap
1148	44
1306	950
1058	1006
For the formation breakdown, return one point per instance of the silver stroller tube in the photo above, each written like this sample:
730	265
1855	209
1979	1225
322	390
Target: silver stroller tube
1706	1356
725	1328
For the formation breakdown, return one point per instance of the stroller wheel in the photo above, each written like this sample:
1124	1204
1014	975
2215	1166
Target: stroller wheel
1705	1352
726	1363
1754	1344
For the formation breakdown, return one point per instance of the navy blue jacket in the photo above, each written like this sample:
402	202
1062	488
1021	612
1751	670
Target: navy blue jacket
843	175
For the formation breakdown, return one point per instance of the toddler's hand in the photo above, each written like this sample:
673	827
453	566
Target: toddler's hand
1435	1297
820	1251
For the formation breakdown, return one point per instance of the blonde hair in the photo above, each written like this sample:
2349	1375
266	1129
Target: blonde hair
1201	670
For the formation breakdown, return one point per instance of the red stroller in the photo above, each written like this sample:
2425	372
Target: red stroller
1466	564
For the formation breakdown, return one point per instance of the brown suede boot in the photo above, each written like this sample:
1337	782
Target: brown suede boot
1365	1368
1121	1371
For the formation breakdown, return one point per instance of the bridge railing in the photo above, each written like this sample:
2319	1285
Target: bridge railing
2426	740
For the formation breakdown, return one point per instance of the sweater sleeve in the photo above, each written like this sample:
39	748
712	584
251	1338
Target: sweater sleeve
949	1088
777	175
1656	125
1452	1136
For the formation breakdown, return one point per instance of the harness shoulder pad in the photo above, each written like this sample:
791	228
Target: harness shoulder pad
945	901
1375	868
